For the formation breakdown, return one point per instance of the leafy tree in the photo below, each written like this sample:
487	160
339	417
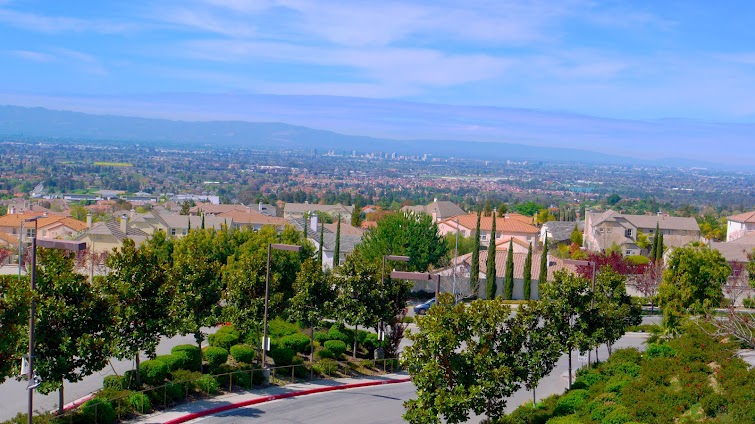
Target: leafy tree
576	236
613	199
73	323
508	282
490	284
642	239
502	210
544	215
528	208
488	209
528	274
14	315
612	308
566	302
659	249
464	358
544	263
337	249
313	295
186	205
541	344
196	277
474	271
614	260
137	274
692	283
648	282
405	233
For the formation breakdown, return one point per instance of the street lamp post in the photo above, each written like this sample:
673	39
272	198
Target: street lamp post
48	244
270	247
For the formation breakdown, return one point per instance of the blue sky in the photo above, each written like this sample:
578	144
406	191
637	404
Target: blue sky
633	60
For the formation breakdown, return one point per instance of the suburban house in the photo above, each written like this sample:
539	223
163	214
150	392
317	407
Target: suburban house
510	225
740	225
439	210
297	210
559	232
253	220
104	236
518	246
175	225
350	238
47	226
604	229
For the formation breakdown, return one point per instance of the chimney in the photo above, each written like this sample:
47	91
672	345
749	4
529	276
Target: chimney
259	208
89	219
124	223
313	223
12	210
133	214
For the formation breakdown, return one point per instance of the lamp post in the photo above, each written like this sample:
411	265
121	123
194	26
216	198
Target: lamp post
270	247
48	244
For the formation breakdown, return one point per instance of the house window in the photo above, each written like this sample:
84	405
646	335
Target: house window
183	232
173	231
629	252
483	237
628	232
608	230
30	232
602	229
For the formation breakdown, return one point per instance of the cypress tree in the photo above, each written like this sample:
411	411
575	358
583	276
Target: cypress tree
659	249
491	288
322	238
202	227
528	274
508	283
544	263
337	250
188	217
356	215
654	249
474	272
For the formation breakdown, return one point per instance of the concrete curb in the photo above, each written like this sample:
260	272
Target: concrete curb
218	409
78	402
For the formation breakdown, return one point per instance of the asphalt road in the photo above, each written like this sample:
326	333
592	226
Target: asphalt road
381	404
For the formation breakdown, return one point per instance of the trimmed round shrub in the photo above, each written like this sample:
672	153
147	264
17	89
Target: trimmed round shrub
300	370
174	362
570	402
153	372
338	347
325	354
224	340
115	382
243	353
175	391
140	403
228	329
207	384
321	337
371	341
279	328
297	342
99	411
282	356
337	332
361	336
215	356
193	356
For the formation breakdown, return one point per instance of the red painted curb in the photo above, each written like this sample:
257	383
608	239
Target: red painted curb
77	402
218	409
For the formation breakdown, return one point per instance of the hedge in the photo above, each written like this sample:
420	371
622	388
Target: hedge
193	357
338	347
207	384
243	353
278	328
282	356
325	354
297	342
215	356
99	411
338	332
174	362
224	339
139	402
153	372
321	337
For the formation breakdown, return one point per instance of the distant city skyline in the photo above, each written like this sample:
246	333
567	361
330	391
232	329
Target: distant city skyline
402	69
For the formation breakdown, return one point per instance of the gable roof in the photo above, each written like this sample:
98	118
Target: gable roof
346	229
306	207
503	244
678	223
746	217
113	228
443	209
507	224
209	208
555	264
8	238
561	230
243	217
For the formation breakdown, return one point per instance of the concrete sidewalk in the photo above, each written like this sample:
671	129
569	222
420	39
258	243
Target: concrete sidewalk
189	411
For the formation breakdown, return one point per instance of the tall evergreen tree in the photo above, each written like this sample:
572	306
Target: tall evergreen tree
202	227
527	277
491	286
508	282
337	250
544	263
474	272
188	218
322	239
654	249
659	249
356	215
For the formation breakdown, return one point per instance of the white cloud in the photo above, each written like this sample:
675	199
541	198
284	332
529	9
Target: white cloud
57	24
32	55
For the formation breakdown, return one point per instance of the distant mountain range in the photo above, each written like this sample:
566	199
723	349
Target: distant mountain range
39	122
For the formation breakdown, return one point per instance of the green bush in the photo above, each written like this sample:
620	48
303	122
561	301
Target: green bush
130	377
243	353
139	402
371	342
282	356
748	302
300	370
228	329
339	332
174	362
571	419
193	357
297	342
118	400
115	382
655	350
338	347
321	337
207	384
215	356
588	377
175	391
243	379
638	259
153	372
324	354
186	378
616	383
326	367
619	415
570	402
601	406
361	336
99	411
224	339
407	320
279	328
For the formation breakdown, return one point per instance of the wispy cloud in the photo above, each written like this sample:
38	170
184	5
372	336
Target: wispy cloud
57	24
32	56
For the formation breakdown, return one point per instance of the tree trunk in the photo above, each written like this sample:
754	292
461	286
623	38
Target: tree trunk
198	338
596	355
138	376
356	331
570	367
312	344
60	398
610	348
534	396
